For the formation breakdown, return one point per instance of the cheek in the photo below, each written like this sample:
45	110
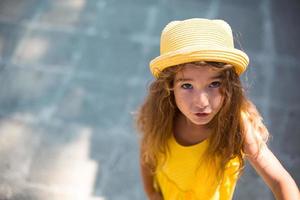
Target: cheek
181	99
217	100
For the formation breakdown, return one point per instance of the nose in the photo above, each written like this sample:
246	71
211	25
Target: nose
201	99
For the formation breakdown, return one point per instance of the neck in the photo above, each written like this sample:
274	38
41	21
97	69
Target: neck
188	133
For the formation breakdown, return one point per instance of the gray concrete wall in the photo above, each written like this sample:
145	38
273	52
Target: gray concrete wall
72	73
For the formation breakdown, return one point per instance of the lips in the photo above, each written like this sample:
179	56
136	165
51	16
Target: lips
202	114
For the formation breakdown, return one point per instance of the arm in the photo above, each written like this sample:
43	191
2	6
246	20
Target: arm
147	178
266	164
275	176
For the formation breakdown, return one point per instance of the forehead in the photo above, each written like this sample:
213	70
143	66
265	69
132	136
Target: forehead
191	70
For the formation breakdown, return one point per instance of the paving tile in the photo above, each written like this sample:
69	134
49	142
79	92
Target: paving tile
246	23
144	3
271	81
59	162
290	135
254	78
15	133
47	48
284	129
78	14
122	19
18	143
10	35
251	186
286	28
284	87
189	9
28	91
168	11
109	57
32	193
101	103
15	11
124	169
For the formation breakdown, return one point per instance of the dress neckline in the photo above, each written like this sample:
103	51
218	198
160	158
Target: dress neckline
193	146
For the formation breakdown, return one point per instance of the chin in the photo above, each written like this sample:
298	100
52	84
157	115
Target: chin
201	122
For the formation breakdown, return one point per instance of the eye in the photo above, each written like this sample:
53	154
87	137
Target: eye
215	84
186	86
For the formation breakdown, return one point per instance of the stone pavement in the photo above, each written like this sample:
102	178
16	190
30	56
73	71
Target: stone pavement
73	73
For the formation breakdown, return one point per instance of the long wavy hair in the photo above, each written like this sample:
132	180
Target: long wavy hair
155	120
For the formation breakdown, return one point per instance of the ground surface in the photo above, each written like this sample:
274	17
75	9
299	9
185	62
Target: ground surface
73	72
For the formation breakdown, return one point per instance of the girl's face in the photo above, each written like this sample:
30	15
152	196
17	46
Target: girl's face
197	91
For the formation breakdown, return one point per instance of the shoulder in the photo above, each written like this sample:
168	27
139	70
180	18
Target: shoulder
254	132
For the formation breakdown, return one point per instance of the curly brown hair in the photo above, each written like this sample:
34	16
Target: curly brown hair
155	119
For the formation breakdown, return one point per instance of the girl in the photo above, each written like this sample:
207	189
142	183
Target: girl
197	124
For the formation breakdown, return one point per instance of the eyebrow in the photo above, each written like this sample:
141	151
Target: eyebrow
189	79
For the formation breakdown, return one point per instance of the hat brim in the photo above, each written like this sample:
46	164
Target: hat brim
232	56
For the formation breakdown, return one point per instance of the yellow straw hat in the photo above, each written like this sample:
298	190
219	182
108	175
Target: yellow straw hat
198	39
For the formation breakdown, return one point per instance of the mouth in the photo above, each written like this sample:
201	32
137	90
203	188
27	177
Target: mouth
202	114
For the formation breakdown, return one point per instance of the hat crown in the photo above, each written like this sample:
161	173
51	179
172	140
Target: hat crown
196	32
198	39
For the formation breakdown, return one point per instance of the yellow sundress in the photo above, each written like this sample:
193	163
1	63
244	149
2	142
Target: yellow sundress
180	177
